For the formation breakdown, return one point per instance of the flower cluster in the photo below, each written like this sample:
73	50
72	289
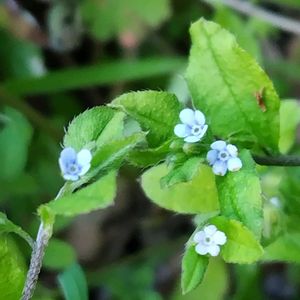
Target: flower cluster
222	157
74	165
209	240
193	126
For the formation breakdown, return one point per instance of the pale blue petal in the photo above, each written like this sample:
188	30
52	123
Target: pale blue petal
212	156
234	164
219	238
218	145
220	168
71	177
182	130
232	150
213	250
204	129
62	165
199	117
84	157
187	116
84	169
201	249
68	155
210	230
199	236
192	139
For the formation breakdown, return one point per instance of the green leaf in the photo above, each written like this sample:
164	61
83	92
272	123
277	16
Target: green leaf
183	173
193	269
196	196
243	30
6	226
241	245
112	18
225	82
58	255
15	138
112	130
285	248
216	272
99	194
111	155
95	75
12	269
289	120
73	283
240	195
87	127
157	112
150	156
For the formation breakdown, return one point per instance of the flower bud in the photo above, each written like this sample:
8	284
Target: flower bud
176	145
191	148
176	158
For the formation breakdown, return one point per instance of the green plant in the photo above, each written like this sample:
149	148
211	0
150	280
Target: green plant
205	166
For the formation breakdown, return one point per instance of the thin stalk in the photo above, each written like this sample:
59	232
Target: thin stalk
282	160
40	245
43	237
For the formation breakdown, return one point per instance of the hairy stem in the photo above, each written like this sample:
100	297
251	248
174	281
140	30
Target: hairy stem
282	160
43	237
40	245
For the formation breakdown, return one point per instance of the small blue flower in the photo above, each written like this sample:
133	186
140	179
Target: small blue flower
223	157
193	126
74	165
209	240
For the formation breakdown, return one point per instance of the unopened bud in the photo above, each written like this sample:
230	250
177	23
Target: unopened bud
176	145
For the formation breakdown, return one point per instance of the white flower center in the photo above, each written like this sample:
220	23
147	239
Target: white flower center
223	155
196	129
207	240
73	169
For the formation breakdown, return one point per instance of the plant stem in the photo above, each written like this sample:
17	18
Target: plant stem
40	245
282	160
43	237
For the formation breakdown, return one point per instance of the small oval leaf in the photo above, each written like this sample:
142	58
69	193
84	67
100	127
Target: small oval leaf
195	196
240	195
193	269
99	194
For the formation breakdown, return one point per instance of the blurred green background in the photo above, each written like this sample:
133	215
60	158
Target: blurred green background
60	57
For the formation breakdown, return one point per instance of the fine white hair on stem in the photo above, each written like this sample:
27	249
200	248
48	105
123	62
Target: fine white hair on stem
247	8
36	261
